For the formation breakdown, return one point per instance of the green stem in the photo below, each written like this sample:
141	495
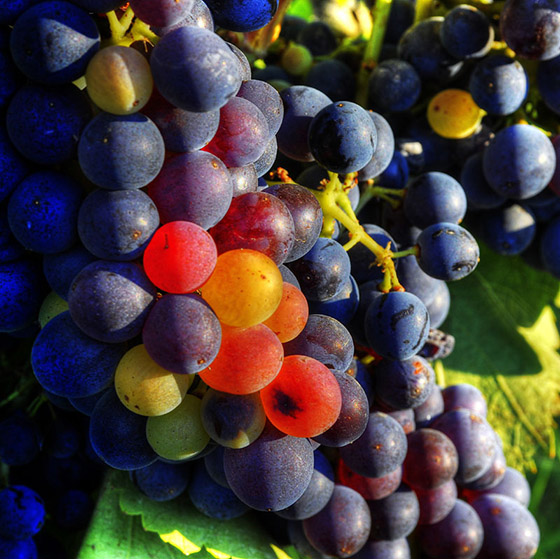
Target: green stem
18	392
415	250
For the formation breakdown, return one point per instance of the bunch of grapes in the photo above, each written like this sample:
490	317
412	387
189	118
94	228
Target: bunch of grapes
228	246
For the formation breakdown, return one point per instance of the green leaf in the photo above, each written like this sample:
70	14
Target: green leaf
301	8
503	317
180	524
113	534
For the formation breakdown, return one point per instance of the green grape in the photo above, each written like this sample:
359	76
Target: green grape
179	434
233	420
52	305
146	388
297	60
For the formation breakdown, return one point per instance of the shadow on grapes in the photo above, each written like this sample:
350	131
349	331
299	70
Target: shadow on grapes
491	312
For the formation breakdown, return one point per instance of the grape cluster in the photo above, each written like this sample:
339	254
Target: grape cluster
224	331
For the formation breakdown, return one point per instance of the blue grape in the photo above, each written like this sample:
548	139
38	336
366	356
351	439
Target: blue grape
12	78
466	33
394	86
331	76
318	37
22	512
118	436
434	197
43	212
162	13
10	248
52	42
447	251
416	281
194	69
161	481
63	438
548	83
22	292
74	509
499	84
301	104
342	306
550	247
98	6
265	162
121	152
117	224
438	307
20	439
18	549
397	325
519	162
429	409
396	173
342	137
13	167
273	472
464	396
199	16
86	404
45	122
267	99
513	484
71	364
380	450
480	196
385	148
384	549
242	15
401	18
10	11
214	463
110	301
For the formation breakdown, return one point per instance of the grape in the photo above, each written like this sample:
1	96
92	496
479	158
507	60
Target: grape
291	315
248	360
317	494
273	472
493	475
52	42
384	549
182	334
117	224
118	436
438	308
304	399
394	86
20	439
119	79
98	6
45	122
513	484
370	488
464	396
194	69
519	162
380	450
74	509
212	499
257	221
430	409
109	301
22	512
178	434
62	438
431	460
245	287
513	528
120	152
13	167
43	212
397	325
199	16
87	404
214	462
385	147
342	527
458	536
436	504
180	257
161	13
416	281
318	37
232	420
332	77
480	195
192	187
267	99
342	306
18	548
146	388
71	364
242	15
447	251
342	137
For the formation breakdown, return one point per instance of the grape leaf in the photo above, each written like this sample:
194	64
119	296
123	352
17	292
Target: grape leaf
503	317
301	8
180	524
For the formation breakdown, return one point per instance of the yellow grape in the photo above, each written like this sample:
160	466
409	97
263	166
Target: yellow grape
244	289
146	388
179	434
52	306
452	113
119	80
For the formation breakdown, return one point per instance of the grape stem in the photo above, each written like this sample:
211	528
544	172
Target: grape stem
392	196
127	29
335	204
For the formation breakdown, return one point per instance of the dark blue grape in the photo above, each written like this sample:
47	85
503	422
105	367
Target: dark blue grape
396	174
162	482
22	512
384	549
342	527
194	69
22	291
439	306
324	339
242	15
271	473
385	148
10	248
550	247
380	450
199	16
109	301
434	197
214	463
401	18
318	37
416	281
45	122
182	333
394	86
43	212
480	195
98	6
74	509
434	151
458	536
121	152
334	78
63	438
447	251
117	224
87	404
301	104
519	162
60	269
499	84
267	99
12	78
342	137
20	439
515	533
10	11
342	306
118	436
71	364
466	33
18	549
13	167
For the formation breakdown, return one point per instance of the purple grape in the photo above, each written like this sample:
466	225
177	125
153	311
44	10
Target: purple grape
464	396
22	512
436	504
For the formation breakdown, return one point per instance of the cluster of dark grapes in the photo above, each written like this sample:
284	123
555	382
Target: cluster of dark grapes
187	313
